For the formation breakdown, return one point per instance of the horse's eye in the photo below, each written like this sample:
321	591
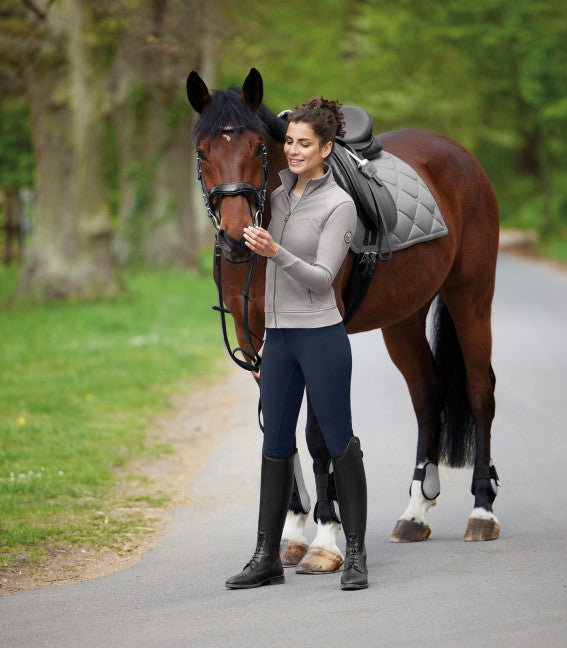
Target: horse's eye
260	149
201	155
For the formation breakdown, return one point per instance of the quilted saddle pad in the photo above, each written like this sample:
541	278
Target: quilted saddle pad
418	216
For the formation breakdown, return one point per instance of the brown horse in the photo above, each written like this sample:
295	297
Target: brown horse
451	386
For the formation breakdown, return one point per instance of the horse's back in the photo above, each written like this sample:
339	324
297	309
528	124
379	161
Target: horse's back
453	175
468	205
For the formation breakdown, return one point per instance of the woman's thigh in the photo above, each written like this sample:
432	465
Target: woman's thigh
326	362
281	391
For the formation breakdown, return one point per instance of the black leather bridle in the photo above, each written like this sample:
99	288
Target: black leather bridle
258	197
246	189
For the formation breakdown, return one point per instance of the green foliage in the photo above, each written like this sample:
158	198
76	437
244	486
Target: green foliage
78	385
16	158
490	74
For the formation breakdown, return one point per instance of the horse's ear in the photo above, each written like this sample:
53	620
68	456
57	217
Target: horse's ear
253	89
197	92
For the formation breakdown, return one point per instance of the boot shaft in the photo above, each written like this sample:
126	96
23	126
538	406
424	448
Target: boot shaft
350	481
276	485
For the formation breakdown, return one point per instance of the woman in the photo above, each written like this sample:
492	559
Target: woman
306	342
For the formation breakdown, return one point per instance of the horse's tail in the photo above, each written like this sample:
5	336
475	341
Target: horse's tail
457	441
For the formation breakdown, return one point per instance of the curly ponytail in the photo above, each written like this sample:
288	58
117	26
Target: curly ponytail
324	117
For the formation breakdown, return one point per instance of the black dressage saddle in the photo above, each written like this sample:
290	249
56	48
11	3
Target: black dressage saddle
374	204
353	171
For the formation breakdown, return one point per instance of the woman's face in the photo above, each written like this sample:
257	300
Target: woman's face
303	150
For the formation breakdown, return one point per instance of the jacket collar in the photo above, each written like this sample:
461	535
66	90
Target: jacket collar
289	179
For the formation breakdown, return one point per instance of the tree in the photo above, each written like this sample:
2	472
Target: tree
69	255
157	45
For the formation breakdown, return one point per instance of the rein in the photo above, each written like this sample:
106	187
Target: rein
250	353
216	194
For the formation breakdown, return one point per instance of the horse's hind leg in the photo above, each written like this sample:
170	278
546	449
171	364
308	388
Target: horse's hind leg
410	351
471	317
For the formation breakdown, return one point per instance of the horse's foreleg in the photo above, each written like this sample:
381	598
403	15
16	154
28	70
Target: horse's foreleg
323	555
408	347
294	544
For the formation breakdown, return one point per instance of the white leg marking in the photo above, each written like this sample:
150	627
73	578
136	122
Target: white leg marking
483	514
326	537
418	506
294	528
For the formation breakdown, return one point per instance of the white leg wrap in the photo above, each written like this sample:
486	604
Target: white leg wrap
483	514
326	537
294	528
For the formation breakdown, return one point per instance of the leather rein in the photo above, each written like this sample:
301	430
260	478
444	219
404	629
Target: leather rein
258	197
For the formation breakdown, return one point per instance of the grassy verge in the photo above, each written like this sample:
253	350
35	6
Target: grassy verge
78	385
555	248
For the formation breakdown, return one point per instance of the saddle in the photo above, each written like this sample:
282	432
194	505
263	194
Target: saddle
374	204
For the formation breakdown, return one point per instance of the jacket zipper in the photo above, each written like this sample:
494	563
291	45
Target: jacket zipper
290	212
276	270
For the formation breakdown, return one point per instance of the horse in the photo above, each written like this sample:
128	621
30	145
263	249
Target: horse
450	381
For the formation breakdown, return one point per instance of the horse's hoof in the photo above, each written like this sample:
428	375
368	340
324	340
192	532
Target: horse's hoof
481	529
410	531
292	552
319	561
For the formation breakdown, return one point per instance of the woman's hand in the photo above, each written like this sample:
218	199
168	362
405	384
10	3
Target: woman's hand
256	374
260	241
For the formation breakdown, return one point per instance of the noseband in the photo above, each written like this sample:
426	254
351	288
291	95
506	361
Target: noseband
246	189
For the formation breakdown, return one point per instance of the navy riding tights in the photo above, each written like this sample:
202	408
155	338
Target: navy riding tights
319	358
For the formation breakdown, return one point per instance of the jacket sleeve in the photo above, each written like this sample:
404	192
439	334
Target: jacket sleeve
331	251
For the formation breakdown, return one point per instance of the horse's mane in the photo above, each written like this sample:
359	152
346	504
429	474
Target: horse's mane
226	107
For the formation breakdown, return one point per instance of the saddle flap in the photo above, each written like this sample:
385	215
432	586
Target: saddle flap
373	202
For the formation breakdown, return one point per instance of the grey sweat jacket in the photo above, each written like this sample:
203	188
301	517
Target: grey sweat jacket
313	238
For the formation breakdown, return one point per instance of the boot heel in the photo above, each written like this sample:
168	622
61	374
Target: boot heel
276	580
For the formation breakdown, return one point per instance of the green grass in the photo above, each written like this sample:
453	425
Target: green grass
555	248
78	385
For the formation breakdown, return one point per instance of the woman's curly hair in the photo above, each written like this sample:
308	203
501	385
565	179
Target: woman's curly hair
323	115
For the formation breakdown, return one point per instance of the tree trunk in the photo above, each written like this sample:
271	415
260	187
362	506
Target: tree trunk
157	222
69	255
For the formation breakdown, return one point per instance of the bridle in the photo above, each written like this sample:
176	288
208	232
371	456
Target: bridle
246	189
258	197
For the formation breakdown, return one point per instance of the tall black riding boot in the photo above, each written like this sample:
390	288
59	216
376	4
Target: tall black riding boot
265	566
350	482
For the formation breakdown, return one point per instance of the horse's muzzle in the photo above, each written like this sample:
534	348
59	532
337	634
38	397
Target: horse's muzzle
234	251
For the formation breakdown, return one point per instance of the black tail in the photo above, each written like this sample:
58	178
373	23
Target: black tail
457	441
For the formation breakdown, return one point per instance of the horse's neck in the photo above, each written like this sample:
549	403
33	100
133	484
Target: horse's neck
276	162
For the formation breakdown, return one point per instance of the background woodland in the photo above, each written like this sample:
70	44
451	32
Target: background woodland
96	152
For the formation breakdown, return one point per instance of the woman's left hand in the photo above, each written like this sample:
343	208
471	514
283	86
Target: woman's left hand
260	241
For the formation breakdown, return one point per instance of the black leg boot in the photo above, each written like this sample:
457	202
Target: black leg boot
265	566
350	482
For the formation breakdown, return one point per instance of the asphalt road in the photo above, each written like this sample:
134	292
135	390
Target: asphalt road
444	592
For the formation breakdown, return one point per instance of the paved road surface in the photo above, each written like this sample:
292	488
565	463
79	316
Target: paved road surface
512	592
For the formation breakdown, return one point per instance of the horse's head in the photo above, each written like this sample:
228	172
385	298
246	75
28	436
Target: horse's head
231	158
